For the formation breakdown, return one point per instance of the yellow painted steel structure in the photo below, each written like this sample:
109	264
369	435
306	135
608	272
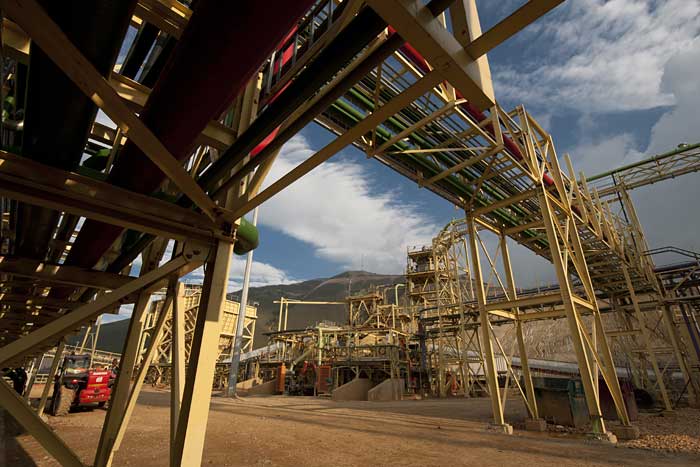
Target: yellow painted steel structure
502	170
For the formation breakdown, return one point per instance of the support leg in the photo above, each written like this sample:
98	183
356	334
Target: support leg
25	416
572	317
194	413
680	358
527	377
487	345
143	371
177	349
646	341
49	378
120	390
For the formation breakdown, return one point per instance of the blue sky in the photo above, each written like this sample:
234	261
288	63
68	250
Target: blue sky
613	81
602	77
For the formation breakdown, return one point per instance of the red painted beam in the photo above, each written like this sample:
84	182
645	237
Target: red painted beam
223	46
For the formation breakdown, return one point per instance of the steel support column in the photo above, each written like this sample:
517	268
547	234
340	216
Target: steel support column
177	357
673	336
522	352
49	377
120	390
646	340
143	371
486	344
194	413
127	364
572	316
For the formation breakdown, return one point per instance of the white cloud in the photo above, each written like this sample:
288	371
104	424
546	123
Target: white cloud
261	274
604	56
125	311
593	157
665	209
338	211
681	124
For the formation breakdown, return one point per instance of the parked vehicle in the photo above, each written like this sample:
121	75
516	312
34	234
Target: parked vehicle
78	385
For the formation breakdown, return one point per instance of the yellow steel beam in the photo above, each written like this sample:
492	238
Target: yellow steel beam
15	41
503	314
517	21
526	302
417	25
34	20
31	182
180	265
467	28
169	16
30	420
462	165
60	274
416	90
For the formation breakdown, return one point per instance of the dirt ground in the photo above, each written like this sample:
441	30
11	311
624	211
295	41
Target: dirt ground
294	431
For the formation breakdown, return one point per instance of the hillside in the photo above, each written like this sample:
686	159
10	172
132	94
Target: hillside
333	289
543	339
111	338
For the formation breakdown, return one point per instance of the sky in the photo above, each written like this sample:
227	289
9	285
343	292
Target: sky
612	81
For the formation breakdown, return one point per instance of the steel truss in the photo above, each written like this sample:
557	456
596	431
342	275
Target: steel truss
683	160
412	96
189	296
202	239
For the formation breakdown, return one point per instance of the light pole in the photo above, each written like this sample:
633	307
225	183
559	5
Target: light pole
240	323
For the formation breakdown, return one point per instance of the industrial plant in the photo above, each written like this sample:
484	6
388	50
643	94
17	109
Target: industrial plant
138	142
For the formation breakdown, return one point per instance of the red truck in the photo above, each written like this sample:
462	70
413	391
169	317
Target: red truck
77	385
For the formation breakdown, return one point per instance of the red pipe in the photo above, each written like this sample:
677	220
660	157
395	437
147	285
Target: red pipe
414	56
221	49
477	114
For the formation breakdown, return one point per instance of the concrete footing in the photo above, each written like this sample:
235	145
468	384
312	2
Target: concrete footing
505	429
607	437
625	433
268	388
535	424
387	390
355	390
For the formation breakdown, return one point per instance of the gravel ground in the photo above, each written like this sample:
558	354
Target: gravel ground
294	431
675	432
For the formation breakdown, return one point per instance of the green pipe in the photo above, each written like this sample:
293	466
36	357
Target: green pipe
247	235
425	144
356	116
658	157
247	238
414	117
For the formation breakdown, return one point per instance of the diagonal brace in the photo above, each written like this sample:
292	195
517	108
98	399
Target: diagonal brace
47	35
181	264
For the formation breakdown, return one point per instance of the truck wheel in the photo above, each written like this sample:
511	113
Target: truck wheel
62	405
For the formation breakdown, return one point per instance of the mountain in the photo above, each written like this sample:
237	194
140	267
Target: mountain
110	339
332	289
544	339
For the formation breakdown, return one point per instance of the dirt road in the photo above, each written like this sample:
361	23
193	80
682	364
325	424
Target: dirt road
296	431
